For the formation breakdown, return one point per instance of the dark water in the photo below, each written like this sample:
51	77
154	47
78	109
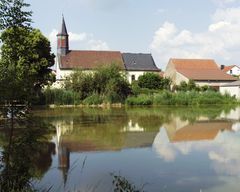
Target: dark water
154	149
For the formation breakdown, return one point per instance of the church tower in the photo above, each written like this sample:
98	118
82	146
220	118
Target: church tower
62	40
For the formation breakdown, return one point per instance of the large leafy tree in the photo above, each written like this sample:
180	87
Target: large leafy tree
153	81
26	55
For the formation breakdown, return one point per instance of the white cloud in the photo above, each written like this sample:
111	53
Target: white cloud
221	41
87	41
224	2
97	45
218	26
53	38
77	37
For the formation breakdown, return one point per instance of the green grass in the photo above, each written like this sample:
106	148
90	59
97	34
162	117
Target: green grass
94	99
182	99
61	97
139	100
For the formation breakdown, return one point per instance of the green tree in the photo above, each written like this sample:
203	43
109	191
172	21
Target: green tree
153	81
25	54
189	86
107	81
12	14
111	82
80	82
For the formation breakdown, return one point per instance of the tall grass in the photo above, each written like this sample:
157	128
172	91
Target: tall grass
61	97
182	99
140	100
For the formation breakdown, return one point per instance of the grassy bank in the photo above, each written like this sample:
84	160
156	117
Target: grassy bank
190	98
182	98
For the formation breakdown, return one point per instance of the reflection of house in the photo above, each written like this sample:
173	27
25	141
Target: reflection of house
88	139
231	70
202	71
133	127
88	60
200	130
129	136
234	114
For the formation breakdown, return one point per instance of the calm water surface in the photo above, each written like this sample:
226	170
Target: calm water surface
157	149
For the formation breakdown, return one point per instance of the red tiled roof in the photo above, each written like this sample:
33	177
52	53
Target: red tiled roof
200	69
228	68
90	59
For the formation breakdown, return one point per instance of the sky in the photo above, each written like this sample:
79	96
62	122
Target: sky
202	29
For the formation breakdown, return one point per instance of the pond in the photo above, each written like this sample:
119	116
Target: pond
146	149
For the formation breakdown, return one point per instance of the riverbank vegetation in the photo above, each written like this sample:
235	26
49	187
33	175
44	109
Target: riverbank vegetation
109	85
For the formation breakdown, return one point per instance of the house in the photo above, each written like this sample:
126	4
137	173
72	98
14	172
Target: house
202	71
86	60
137	64
231	88
231	70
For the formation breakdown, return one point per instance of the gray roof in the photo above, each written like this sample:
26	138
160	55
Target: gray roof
139	62
233	84
63	28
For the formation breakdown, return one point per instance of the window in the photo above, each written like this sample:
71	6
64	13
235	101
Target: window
133	77
231	72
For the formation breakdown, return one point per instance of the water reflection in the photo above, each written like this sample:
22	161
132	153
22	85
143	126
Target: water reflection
25	153
172	149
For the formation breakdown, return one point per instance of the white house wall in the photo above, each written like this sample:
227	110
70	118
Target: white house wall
137	74
233	91
235	71
211	83
62	74
179	78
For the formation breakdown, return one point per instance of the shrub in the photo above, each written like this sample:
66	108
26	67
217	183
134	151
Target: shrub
139	100
117	90
107	80
164	98
153	81
81	83
93	99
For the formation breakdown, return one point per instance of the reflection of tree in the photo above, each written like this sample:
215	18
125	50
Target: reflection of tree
26	153
192	114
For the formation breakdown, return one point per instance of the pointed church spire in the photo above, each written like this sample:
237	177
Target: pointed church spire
62	36
63	28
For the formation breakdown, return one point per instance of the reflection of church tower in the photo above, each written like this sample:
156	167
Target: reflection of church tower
63	161
63	152
62	40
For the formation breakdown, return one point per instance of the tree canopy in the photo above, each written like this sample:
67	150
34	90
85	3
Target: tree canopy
26	55
12	14
153	81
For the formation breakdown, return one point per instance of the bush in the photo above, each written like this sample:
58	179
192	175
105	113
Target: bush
93	99
81	83
108	81
153	81
139	100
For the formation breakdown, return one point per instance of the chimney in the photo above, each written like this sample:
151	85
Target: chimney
222	67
